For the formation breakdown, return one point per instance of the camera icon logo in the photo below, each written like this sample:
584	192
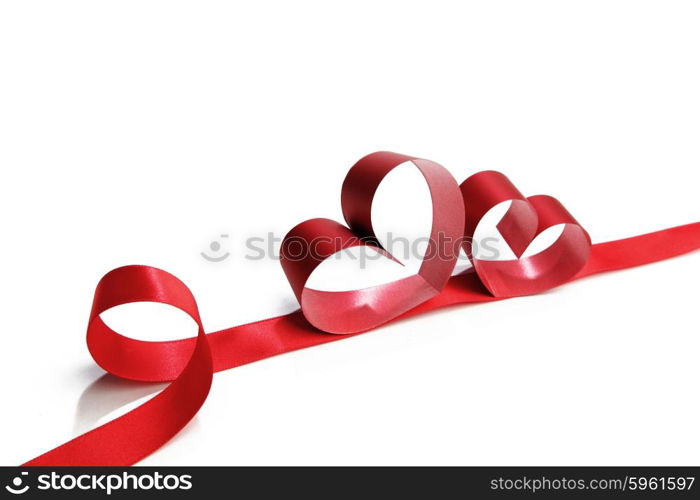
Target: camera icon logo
16	487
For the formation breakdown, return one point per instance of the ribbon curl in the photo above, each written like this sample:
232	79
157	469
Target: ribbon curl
189	364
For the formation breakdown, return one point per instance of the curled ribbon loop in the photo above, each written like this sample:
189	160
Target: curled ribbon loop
313	241
457	213
524	220
129	438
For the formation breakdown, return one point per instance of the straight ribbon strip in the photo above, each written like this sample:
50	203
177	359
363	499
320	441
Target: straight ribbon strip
457	211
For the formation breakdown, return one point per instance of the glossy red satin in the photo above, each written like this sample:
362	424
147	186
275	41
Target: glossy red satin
313	241
524	220
190	363
187	363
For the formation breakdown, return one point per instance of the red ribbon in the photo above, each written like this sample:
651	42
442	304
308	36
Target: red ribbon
457	211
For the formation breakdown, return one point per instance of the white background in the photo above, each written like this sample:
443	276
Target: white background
138	132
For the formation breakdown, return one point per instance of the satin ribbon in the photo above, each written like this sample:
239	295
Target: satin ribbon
457	211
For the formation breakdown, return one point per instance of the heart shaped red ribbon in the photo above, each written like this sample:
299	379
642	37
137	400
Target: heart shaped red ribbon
525	219
311	242
457	212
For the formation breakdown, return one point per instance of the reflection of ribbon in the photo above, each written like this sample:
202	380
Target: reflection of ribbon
457	211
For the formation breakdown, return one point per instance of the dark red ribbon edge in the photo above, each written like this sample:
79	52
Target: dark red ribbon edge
190	363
